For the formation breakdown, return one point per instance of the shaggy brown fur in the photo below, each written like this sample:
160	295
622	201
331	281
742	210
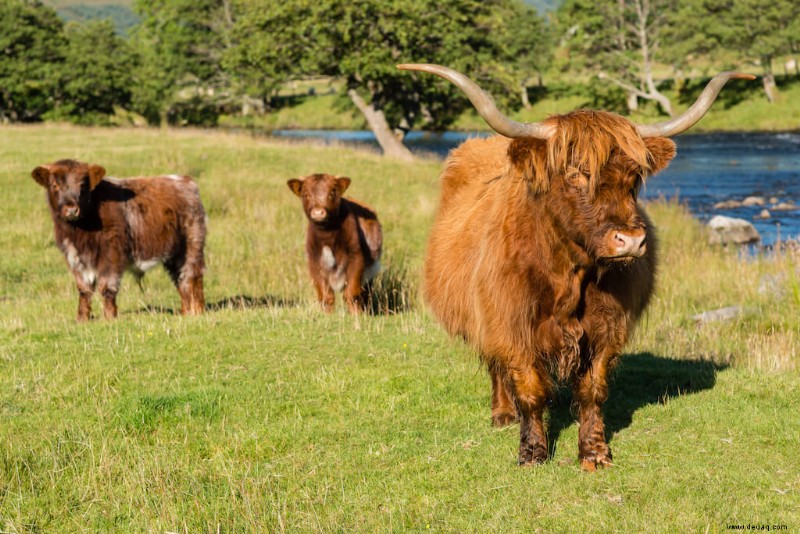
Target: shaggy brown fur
104	226
523	262
343	241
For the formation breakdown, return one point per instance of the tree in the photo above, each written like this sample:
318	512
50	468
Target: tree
526	46
361	41
758	30
180	44
620	41
96	74
31	50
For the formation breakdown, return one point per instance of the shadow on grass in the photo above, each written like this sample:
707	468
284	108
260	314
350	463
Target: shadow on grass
388	293
237	302
639	380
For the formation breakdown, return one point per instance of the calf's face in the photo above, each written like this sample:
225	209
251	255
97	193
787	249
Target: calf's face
321	195
69	185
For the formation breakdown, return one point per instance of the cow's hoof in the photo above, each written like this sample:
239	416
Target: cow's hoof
503	419
591	463
532	455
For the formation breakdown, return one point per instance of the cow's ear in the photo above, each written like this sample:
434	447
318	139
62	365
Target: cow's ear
296	186
42	175
661	151
96	173
342	183
528	158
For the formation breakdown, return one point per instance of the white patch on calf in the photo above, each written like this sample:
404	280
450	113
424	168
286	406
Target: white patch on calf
327	260
86	272
174	176
145	265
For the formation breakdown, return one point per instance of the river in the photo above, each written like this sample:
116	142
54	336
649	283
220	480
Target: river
708	169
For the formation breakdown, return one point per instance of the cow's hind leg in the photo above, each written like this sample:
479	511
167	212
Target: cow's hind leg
531	389
591	391
504	412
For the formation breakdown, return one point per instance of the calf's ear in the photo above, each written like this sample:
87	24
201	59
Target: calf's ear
342	183
661	150
96	173
296	186
42	175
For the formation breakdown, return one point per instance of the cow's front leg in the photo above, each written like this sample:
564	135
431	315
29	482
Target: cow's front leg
531	388
109	287
591	391
504	412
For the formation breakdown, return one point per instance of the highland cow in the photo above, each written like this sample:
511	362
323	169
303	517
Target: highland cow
542	258
104	226
343	239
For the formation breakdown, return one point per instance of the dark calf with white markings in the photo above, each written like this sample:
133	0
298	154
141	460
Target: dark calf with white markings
343	240
104	226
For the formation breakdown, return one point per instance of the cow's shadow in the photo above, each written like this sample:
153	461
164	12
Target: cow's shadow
236	302
639	380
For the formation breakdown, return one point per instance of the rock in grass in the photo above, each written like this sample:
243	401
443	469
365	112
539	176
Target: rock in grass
724	230
722	314
727	205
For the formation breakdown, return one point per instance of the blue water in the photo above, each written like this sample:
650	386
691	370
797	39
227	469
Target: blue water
709	168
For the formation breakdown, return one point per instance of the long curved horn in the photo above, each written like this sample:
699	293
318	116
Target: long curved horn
484	104
688	118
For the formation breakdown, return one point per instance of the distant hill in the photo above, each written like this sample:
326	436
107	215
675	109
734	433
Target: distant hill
119	11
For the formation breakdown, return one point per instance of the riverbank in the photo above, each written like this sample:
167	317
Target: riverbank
740	107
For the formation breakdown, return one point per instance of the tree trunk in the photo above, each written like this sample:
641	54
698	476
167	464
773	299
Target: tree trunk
523	93
391	145
769	79
633	102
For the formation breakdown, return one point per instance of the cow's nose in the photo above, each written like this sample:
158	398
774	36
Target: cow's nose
630	245
318	214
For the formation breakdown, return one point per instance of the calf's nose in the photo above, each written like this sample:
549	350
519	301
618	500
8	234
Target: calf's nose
318	214
630	245
71	212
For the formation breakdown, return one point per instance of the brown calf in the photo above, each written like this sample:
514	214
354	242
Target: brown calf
104	226
343	240
541	257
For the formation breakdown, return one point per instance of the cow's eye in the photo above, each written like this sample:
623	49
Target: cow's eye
332	195
55	186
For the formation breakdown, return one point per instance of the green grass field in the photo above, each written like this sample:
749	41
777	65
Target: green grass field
265	415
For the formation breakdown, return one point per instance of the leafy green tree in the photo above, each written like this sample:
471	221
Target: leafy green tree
620	41
361	41
180	44
526	46
757	30
31	51
96	74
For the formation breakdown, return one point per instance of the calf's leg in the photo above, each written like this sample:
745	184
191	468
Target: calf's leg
85	292
325	295
108	287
